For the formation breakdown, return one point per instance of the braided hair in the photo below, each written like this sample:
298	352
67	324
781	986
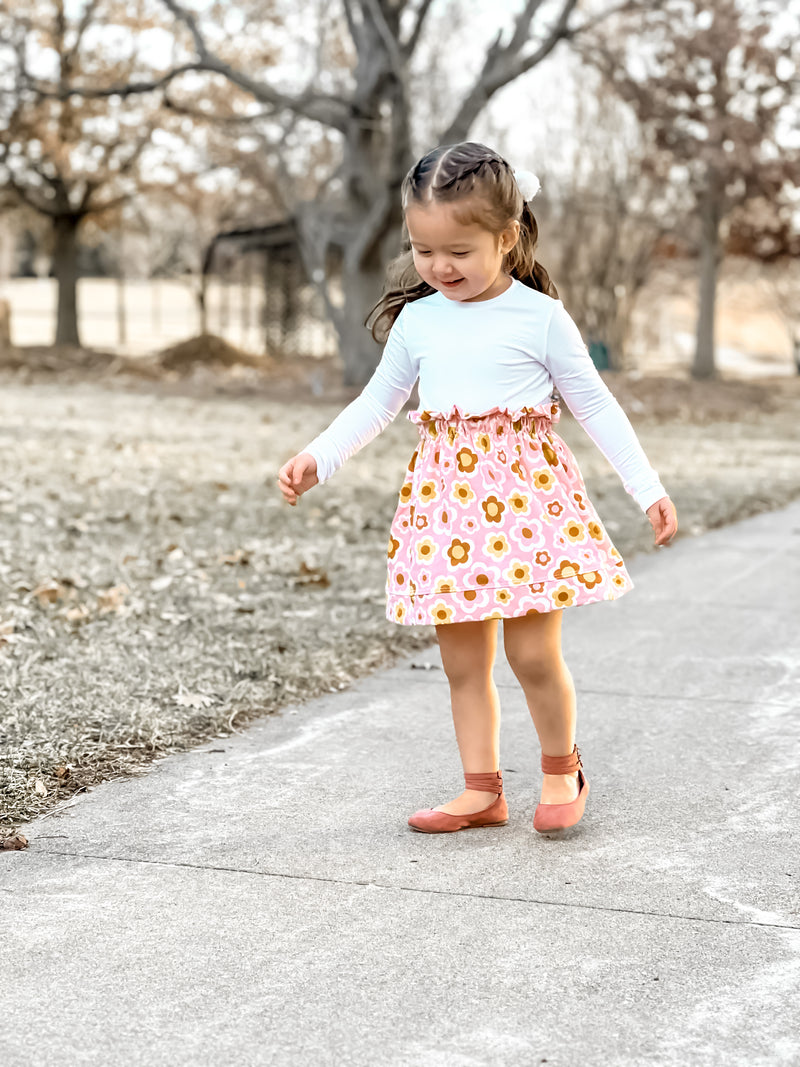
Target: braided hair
482	185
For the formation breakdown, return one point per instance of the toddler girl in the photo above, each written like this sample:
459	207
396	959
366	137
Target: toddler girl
493	520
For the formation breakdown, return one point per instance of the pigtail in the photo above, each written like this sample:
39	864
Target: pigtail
521	261
402	286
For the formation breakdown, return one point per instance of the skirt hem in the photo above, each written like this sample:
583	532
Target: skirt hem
444	607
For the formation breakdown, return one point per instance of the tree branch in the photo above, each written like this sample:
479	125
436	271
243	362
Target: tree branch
92	92
503	65
385	33
320	107
413	39
83	25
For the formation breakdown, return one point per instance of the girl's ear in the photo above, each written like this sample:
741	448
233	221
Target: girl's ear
509	236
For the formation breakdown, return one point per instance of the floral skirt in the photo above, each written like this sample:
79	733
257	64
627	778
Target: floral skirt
493	521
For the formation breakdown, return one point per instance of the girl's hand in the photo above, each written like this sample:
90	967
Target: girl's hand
296	476
664	520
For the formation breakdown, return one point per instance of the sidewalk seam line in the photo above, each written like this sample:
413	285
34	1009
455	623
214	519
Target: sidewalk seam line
418	889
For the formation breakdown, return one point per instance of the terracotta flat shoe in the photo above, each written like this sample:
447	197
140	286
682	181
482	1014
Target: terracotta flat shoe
429	821
550	818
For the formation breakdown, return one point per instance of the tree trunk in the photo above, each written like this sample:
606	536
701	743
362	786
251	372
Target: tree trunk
704	365
359	353
65	269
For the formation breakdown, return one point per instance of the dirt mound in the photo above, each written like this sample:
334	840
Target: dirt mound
208	348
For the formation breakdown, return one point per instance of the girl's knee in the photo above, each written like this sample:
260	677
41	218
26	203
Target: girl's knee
533	666
467	653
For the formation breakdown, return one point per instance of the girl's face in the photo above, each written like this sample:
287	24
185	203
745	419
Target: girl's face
464	262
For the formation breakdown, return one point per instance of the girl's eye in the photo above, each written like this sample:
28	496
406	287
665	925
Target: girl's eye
461	253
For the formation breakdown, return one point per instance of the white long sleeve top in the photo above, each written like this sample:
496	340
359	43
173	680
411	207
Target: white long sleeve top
506	352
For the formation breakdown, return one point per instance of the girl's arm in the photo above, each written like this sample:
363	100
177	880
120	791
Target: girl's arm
372	410
599	413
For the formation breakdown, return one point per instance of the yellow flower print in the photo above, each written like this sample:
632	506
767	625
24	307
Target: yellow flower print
441	613
484	443
595	531
618	581
399	612
493	509
458	552
405	493
550	454
518	502
567	569
590	579
543	480
519	572
503	596
466	460
427	492
426	549
394	544
497	546
563	597
462	492
574	531
445	585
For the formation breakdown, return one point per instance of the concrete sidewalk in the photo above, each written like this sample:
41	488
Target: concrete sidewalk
260	900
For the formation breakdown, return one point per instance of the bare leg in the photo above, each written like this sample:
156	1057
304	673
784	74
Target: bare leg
468	650
533	650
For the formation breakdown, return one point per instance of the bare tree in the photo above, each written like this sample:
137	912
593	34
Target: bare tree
353	228
714	86
70	159
610	210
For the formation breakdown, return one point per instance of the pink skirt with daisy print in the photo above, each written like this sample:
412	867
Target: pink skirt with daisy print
493	521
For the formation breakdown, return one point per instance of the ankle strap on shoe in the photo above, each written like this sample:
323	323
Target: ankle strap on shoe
562	764
490	782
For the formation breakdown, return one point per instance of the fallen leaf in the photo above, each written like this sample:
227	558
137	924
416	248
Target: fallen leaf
79	614
112	599
15	841
239	556
312	576
48	592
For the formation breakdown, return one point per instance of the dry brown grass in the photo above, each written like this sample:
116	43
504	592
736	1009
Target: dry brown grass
157	592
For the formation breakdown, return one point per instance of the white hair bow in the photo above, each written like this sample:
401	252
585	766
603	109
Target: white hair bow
529	184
